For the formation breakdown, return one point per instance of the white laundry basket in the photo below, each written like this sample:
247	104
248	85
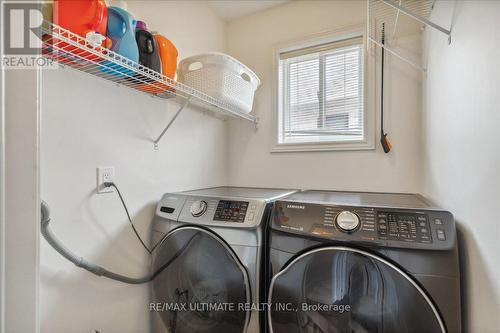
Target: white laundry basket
222	77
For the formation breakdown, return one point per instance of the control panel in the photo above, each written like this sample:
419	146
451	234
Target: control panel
212	211
233	211
403	228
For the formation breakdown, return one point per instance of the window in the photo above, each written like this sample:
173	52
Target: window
321	94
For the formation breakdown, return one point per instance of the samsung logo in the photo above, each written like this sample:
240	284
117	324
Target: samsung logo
296	206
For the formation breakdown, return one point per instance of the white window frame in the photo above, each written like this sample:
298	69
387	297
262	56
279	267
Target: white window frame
369	112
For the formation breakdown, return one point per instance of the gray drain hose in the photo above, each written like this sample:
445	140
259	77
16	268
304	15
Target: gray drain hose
81	262
96	269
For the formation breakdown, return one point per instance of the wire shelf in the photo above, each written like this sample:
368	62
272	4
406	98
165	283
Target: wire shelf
382	12
76	52
401	18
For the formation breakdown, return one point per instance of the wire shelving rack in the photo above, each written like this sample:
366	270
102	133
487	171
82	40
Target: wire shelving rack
71	50
390	13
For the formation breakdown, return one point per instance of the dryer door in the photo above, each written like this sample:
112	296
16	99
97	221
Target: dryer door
340	289
201	279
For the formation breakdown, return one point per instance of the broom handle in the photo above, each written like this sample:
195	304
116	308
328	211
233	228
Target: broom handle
382	84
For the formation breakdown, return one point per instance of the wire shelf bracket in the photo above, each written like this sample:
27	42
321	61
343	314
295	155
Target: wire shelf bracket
171	122
397	55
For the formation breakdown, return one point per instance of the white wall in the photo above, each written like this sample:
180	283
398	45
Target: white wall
191	25
22	203
87	122
461	154
251	39
2	204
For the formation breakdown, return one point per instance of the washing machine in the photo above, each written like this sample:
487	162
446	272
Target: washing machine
209	254
362	262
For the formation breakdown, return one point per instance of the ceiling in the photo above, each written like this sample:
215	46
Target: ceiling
232	9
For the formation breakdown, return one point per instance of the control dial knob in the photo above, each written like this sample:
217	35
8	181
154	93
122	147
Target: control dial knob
347	221
198	208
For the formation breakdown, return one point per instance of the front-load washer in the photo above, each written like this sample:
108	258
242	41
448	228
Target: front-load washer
362	262
209	253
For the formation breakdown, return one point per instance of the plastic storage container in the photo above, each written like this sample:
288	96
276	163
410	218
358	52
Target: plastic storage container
148	50
168	55
168	62
83	17
87	18
121	30
222	77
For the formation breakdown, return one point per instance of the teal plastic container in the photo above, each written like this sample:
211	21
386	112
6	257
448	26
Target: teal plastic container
121	31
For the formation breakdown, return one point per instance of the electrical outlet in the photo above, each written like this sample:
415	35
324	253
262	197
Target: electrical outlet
105	174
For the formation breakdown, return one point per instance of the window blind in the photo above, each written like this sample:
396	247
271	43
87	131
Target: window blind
321	93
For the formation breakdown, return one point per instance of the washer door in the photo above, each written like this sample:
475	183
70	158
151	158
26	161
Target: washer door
201	276
340	289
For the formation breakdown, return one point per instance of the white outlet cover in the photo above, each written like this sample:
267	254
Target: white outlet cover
105	174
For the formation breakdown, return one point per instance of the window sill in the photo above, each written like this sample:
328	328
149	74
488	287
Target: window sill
321	147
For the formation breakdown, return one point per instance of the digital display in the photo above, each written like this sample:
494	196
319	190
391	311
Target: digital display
168	210
404	227
231	211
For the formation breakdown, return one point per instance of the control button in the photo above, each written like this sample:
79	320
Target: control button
347	221
251	216
198	208
441	235
425	239
424	230
438	221
253	207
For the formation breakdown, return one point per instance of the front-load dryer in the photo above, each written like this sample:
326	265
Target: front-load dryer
362	263
209	253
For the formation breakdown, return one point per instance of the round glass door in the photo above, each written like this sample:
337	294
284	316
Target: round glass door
201	284
344	290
